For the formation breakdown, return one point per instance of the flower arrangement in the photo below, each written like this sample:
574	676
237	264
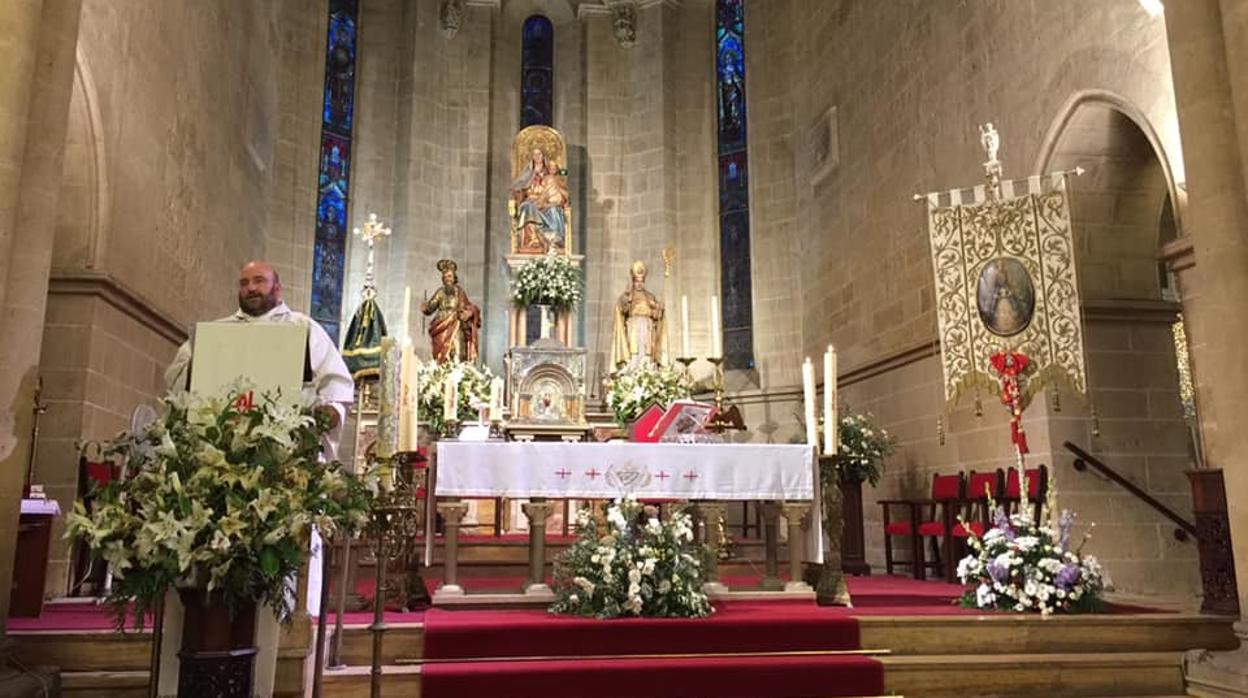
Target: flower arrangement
548	280
220	492
1020	566
863	447
634	388
473	386
639	566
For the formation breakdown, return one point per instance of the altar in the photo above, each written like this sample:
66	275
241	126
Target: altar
701	476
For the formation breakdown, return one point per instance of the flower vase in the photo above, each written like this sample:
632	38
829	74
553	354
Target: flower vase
218	651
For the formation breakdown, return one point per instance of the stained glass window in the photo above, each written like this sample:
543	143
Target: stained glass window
734	190
537	103
333	184
537	72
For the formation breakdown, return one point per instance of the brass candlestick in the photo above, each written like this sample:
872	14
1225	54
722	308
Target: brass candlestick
725	417
717	380
686	362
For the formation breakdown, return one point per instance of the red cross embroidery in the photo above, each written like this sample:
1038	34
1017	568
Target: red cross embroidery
563	473
592	473
662	475
691	476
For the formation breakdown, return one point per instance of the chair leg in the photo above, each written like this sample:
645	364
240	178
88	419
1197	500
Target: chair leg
949	564
920	561
888	553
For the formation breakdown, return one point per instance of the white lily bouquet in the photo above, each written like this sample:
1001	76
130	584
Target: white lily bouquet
634	388
639	566
220	492
472	387
1020	566
548	280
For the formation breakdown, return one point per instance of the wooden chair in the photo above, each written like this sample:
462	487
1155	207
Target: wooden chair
1037	491
947	491
976	512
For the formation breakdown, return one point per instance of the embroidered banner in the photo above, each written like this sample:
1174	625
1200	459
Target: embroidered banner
1006	282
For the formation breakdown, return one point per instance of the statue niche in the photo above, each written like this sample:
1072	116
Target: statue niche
539	206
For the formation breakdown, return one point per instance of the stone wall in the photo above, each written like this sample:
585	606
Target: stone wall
190	150
911	81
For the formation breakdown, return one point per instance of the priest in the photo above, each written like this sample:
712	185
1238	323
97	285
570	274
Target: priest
260	300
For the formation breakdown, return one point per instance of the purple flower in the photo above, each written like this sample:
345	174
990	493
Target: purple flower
999	573
1067	577
1002	522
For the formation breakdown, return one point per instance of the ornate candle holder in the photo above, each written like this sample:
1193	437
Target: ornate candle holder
725	417
686	362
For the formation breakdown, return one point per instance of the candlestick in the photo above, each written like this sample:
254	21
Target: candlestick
685	350
496	399
415	405
686	361
450	400
830	425
717	340
405	398
405	331
808	394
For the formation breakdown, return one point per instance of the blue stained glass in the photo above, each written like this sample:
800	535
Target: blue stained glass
537	72
340	67
334	178
734	186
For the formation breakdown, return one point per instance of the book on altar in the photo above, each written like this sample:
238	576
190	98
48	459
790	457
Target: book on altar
272	356
683	420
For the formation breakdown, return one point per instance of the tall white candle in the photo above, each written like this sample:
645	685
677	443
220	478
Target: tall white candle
808	393
450	400
717	339
406	437
829	400
685	351
405	332
496	399
415	406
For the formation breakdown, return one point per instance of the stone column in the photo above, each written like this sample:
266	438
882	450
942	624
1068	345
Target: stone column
711	512
38	41
452	514
537	510
771	544
1213	120
793	513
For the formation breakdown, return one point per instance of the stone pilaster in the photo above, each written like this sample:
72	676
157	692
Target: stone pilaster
35	80
537	513
1213	116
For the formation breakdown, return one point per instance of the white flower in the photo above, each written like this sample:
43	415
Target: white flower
984	598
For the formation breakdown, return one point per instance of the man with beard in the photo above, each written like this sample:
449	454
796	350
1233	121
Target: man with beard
260	300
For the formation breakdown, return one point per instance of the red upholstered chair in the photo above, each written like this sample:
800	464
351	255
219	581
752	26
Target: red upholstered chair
1037	490
948	493
975	510
920	515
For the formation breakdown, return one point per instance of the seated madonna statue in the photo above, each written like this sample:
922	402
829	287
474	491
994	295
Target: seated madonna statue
541	212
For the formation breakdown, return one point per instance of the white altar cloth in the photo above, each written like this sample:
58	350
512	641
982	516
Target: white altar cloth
609	470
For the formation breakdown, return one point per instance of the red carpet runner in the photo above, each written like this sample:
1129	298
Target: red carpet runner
593	655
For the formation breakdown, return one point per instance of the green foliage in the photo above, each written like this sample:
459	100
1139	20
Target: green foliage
549	280
219	495
634	388
638	566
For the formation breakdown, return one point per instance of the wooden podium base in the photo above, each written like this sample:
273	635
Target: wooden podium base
218	656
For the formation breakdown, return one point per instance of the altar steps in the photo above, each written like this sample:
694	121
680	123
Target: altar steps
946	656
94	663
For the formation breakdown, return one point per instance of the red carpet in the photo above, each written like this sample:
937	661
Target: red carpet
873	596
733	677
742	629
735	627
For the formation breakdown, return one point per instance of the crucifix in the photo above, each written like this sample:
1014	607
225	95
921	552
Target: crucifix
373	229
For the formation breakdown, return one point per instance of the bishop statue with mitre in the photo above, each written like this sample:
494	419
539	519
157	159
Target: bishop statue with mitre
638	337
